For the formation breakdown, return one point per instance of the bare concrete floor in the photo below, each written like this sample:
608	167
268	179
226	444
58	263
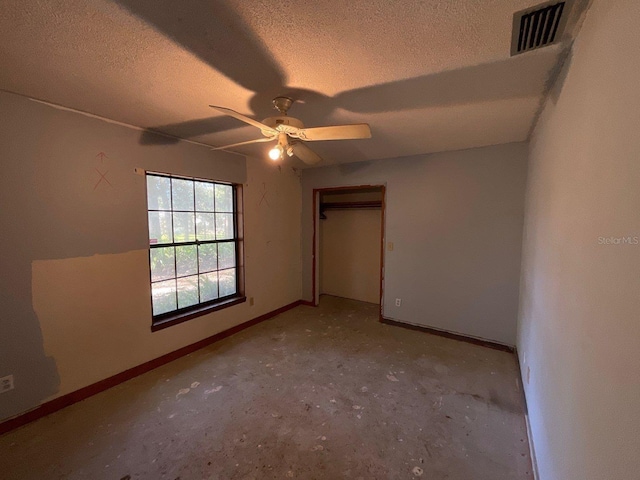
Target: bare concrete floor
315	393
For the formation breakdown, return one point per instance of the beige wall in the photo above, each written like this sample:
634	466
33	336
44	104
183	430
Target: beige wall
579	325
94	311
350	254
75	274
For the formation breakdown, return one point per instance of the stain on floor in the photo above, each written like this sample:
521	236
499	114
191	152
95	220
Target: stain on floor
315	393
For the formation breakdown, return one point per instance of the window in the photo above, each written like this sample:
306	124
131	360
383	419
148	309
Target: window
193	246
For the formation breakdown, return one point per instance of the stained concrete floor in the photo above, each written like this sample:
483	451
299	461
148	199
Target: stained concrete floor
315	393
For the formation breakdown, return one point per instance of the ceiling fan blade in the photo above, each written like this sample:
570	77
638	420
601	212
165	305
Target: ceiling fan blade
305	154
337	132
248	142
245	119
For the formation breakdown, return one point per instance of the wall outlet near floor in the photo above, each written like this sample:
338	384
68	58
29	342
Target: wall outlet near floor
251	301
398	302
6	383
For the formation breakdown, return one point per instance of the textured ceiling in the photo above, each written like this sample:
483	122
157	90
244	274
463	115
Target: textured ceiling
426	75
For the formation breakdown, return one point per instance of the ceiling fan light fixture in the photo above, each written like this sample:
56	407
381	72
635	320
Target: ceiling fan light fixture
275	153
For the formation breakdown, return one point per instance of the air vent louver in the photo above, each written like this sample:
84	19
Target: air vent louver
538	27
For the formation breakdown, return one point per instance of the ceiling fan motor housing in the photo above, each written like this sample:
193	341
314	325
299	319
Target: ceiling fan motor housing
284	120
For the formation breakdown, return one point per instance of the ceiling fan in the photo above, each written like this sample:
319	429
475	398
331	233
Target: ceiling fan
291	133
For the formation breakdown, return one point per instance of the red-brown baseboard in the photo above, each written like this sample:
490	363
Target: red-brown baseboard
307	303
90	390
454	336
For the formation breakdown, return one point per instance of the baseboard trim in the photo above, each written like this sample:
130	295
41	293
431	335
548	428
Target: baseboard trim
307	303
532	449
78	395
454	336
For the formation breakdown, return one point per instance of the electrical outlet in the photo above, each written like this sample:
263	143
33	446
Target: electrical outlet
390	246
251	301
6	383
398	302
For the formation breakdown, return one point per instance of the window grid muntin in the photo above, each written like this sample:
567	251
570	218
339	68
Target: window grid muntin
233	240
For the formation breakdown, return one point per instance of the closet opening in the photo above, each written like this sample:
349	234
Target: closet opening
348	258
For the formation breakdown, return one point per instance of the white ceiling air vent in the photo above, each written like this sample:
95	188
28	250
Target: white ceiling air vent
538	26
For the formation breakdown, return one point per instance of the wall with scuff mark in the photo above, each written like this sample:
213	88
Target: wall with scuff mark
579	323
74	298
455	220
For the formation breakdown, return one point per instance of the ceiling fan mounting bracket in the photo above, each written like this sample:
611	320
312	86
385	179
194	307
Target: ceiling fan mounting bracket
282	104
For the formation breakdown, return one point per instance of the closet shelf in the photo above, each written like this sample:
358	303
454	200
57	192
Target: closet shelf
350	205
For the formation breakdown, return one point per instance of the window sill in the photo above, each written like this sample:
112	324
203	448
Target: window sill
198	312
